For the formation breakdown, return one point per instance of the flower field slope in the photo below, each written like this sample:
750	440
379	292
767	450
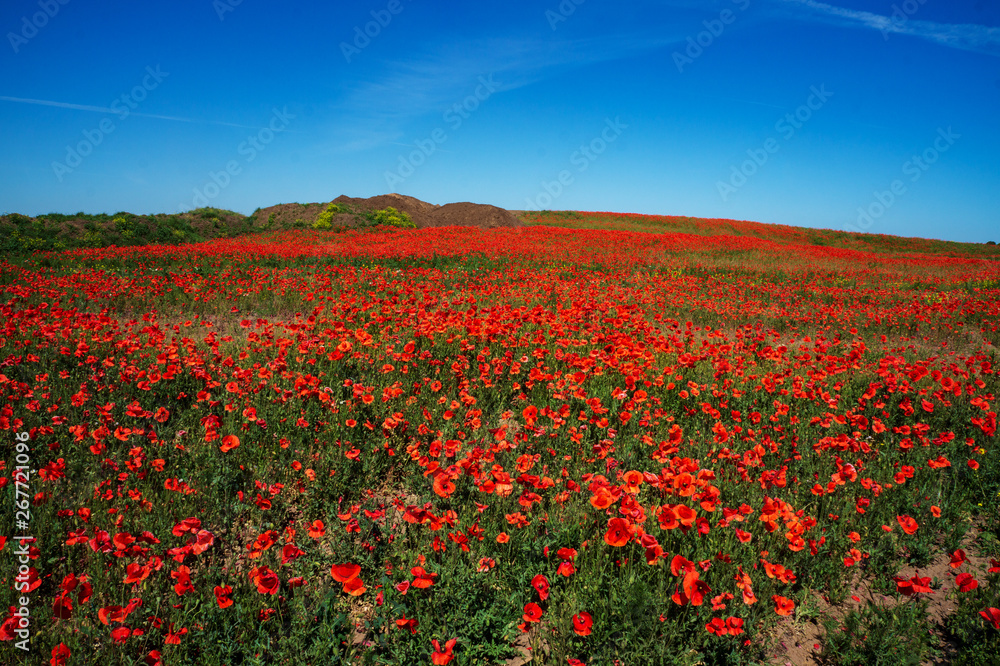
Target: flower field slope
777	232
455	444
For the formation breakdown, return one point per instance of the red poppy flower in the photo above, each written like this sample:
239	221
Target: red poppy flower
680	564
908	524
111	614
60	654
266	580
317	529
174	637
992	615
966	582
203	540
783	605
532	612
582	622
408	623
633	480
566	569
914	585
223	596
290	552
695	589
62	607
183	578
619	532
186	525
717	626
441	657
135	573
345	572
422	579
602	499
566	553
958	558
229	442
541	585
354	587
735	626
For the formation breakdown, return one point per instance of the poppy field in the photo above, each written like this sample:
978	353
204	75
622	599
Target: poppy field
469	446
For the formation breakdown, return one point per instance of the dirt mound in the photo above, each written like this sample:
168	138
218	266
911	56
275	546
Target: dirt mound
423	214
467	214
285	216
402	202
419	211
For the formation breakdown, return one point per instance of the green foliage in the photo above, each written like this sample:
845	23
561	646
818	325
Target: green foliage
391	217
325	220
125	226
881	636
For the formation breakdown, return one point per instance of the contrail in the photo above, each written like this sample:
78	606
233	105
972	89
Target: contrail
101	109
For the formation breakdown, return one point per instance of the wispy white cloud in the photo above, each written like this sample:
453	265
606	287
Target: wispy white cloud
120	111
436	80
964	36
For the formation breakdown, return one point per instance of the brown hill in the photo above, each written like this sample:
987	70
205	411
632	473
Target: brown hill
473	215
423	214
419	211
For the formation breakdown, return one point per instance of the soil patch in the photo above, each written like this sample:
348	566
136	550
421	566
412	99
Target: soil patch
285	216
424	215
483	216
797	641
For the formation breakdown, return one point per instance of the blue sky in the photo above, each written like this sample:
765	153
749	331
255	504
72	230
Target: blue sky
877	116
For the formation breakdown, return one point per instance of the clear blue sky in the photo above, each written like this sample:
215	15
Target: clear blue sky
672	107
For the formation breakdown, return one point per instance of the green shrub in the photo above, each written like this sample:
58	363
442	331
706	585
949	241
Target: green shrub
325	220
92	238
126	226
391	217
